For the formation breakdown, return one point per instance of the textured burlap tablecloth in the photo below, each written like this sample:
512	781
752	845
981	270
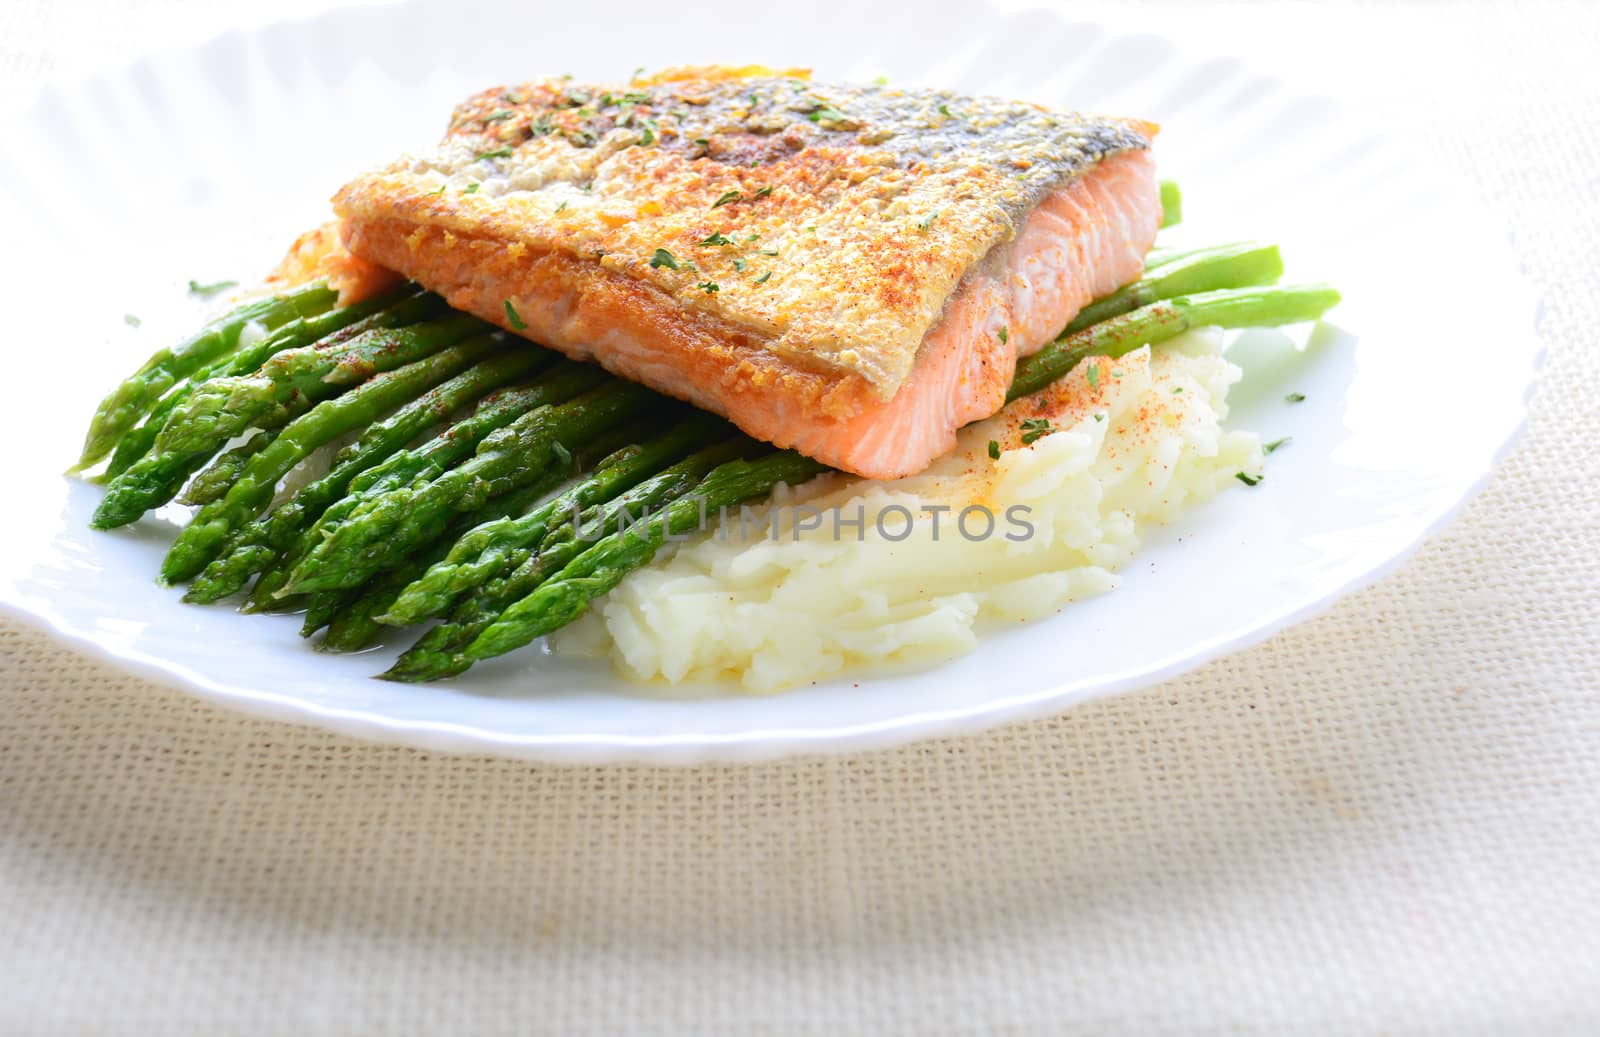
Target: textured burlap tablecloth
1383	820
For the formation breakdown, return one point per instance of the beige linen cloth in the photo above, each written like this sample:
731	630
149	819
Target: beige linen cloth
1383	820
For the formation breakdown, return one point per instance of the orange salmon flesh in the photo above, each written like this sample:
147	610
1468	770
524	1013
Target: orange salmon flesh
835	285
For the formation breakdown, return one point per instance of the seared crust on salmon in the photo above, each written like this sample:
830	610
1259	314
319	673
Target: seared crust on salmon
848	271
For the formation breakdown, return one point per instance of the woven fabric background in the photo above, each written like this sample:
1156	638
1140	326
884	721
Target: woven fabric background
1383	820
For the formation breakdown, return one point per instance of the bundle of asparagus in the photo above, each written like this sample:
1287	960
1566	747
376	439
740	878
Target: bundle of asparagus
443	506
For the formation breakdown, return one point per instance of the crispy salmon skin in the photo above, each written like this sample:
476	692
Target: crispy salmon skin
848	270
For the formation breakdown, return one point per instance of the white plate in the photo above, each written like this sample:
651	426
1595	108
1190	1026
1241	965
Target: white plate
204	163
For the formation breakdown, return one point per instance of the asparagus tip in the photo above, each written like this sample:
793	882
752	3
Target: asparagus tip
399	673
430	666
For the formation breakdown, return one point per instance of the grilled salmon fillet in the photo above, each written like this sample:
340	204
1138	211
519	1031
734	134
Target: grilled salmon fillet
848	271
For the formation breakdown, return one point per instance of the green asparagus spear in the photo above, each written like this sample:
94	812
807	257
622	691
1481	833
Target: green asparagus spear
420	465
352	625
392	524
1160	257
350	615
212	481
224	407
149	483
1159	321
456	443
260	542
132	400
138	441
1230	266
649	496
321	607
152	480
1171	204
437	653
567	595
488	548
391	309
252	491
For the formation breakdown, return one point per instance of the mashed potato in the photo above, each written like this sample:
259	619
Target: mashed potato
843	574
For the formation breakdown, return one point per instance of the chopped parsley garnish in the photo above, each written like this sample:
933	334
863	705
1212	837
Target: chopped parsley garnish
196	288
439	190
1276	443
761	192
635	97
763	278
131	321
1034	428
944	110
739	264
994	449
500	116
543	126
727	198
1248	480
647	135
827	115
562	207
880	80
767	251
637	73
472	188
1005	335
716	238
927	221
1294	397
664	258
497	153
511	98
709	287
1093	374
514	317
1099	416
701	141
